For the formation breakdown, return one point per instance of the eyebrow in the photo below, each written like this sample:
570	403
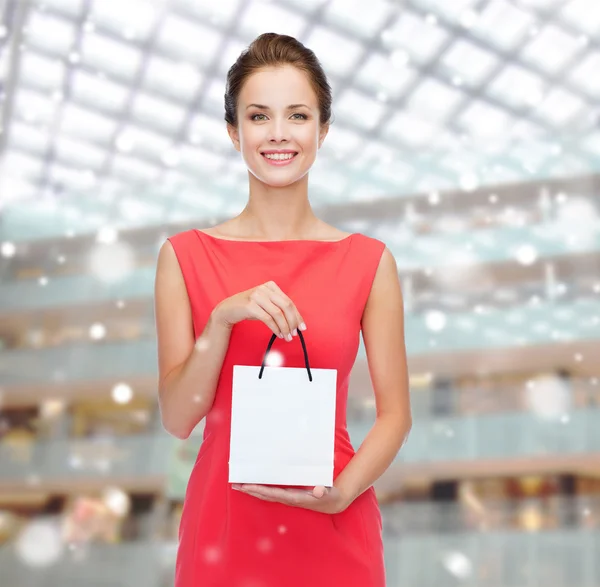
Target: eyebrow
290	107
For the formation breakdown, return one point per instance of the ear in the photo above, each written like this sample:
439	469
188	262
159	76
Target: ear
234	136
323	133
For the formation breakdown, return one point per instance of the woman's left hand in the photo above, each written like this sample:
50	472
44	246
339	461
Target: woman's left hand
327	500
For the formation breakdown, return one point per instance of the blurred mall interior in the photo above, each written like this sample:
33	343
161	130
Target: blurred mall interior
466	137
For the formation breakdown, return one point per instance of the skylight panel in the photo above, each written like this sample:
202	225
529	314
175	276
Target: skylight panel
229	55
525	129
28	137
210	131
393	171
339	55
359	109
132	168
333	181
503	24
134	19
182	38
542	5
586	74
140	140
418	37
517	86
307	5
472	64
95	91
68	177
482	119
219	13
452	10
378	74
551	49
259	17
79	153
23	165
200	160
584	14
81	122
41	72
560	106
50	33
72	7
157	113
34	106
434	100
110	56
175	78
406	128
340	143
351	15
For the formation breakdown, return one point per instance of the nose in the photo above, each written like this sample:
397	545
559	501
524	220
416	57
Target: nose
278	131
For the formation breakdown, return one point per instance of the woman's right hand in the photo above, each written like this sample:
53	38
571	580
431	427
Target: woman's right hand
264	302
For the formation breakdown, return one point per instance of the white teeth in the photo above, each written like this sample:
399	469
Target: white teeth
279	157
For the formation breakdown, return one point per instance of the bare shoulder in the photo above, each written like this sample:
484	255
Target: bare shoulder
219	230
386	283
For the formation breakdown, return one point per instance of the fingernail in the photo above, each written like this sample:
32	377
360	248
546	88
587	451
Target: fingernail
288	337
295	332
302	326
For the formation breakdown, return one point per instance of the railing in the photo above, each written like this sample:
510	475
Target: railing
432	440
547	323
562	558
479	515
119	456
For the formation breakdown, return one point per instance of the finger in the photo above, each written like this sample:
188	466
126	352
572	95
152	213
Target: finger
260	314
320	491
289	310
293	316
274	308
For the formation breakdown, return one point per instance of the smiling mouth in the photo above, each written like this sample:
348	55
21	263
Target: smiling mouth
280	158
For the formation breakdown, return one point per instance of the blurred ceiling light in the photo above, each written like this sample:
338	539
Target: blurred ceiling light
526	255
124	143
97	331
548	397
435	320
117	501
122	393
107	235
8	249
51	408
39	544
112	262
457	564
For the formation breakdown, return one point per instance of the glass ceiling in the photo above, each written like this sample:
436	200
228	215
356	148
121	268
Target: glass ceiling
112	112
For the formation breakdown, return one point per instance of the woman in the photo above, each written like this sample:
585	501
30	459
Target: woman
221	292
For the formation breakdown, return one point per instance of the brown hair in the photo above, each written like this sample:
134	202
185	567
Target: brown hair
272	50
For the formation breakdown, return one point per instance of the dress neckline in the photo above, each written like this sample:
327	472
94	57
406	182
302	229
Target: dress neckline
229	240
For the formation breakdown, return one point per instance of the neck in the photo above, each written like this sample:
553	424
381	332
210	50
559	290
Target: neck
274	213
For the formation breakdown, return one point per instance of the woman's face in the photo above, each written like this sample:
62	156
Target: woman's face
266	123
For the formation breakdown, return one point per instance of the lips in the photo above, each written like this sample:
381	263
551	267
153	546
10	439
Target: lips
279	162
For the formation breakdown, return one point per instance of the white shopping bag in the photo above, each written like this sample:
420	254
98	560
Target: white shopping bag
282	424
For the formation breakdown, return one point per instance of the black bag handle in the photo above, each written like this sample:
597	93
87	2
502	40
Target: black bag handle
273	337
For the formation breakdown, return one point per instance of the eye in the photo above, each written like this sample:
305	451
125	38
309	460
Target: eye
255	115
300	114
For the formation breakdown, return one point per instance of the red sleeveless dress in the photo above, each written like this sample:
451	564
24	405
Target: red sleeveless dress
231	539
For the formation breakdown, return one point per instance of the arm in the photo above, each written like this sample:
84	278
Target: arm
383	333
188	370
